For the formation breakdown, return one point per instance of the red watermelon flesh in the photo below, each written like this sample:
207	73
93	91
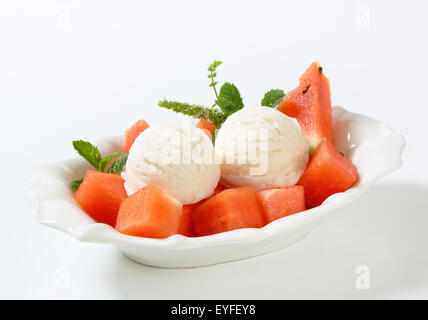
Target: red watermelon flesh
278	203
185	227
207	125
100	195
327	172
228	210
133	132
310	104
149	213
186	223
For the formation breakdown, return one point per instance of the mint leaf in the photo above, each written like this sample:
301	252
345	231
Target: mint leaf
273	97
106	160
89	152
118	166
229	99
75	185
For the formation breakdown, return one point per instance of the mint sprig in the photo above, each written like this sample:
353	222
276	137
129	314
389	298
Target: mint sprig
75	185
91	154
106	160
118	166
229	99
212	74
273	97
216	116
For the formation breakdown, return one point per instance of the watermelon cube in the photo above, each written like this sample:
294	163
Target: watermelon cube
185	227
149	213
205	124
186	223
278	203
100	195
228	210
327	172
133	132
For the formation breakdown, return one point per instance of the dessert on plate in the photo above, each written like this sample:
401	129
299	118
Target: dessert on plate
237	167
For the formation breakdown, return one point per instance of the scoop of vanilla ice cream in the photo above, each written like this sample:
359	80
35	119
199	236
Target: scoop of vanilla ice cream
261	147
178	158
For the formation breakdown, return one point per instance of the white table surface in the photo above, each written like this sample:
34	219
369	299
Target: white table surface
80	69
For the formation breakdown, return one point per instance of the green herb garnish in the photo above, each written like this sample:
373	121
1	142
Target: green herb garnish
212	74
106	160
228	101
75	185
118	165
273	97
214	135
216	116
91	154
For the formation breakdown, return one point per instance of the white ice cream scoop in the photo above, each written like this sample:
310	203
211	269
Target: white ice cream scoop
261	147
178	158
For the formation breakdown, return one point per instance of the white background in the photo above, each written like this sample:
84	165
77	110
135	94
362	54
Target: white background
81	69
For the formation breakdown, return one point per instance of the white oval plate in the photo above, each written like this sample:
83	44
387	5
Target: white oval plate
374	148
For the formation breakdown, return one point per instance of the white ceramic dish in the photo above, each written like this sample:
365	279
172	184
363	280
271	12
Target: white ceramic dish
373	147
